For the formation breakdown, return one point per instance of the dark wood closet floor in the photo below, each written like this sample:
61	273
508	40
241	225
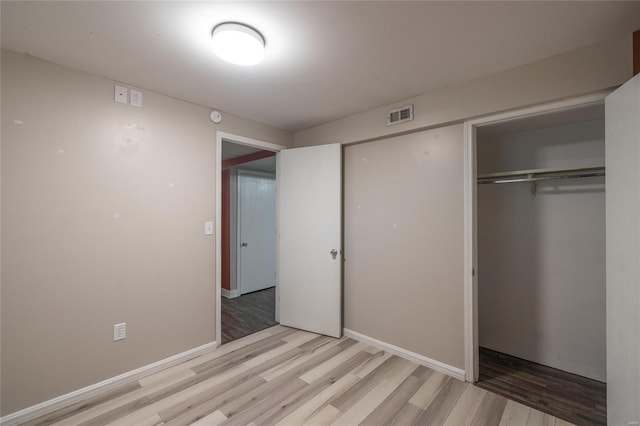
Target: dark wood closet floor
248	314
573	398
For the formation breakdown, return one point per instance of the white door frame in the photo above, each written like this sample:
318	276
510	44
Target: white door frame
241	140
238	250
470	213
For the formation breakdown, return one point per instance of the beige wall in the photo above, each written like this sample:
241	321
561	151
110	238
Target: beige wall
586	70
541	260
103	213
403	224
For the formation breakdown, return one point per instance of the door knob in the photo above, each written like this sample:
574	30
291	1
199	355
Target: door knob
333	253
244	244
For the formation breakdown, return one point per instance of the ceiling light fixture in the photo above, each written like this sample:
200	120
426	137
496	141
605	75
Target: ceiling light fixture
238	43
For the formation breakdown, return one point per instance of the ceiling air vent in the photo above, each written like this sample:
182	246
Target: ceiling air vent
400	115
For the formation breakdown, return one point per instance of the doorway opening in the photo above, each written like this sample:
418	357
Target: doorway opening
246	279
535	249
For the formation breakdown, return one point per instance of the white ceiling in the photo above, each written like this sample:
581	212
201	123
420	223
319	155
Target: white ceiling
324	60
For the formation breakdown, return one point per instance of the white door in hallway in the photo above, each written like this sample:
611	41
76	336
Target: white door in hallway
622	142
256	231
310	238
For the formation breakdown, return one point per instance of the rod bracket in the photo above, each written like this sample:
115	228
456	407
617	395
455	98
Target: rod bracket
532	184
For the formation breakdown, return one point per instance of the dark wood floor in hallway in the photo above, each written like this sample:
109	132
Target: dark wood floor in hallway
567	396
248	314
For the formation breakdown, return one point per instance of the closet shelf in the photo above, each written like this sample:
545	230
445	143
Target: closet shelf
535	175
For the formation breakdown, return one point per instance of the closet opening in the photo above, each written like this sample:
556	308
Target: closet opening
540	262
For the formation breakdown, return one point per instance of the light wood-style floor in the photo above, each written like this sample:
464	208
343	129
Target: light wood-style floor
290	377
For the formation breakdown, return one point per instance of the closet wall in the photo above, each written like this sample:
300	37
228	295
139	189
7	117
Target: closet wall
403	242
541	260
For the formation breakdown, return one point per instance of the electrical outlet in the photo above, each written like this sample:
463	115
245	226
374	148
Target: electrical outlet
119	331
120	94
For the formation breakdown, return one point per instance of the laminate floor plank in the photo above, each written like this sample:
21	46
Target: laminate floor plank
316	404
83	405
407	415
360	389
213	419
326	416
206	403
309	351
222	382
438	411
515	414
538	418
290	404
287	377
361	409
234	381
428	391
258	394
261	405
168	385
490	411
219	377
390	407
154	420
325	367
379	357
468	405
167	375
291	344
557	393
244	353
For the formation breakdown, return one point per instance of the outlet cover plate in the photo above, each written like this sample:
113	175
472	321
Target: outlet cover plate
120	94
119	331
208	228
136	98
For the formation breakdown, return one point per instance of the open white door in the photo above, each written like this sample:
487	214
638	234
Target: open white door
309	226
622	118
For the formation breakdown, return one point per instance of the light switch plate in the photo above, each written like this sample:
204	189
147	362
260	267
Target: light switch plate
208	228
136	98
120	94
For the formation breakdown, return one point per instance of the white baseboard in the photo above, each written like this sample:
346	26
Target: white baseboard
406	354
51	405
230	294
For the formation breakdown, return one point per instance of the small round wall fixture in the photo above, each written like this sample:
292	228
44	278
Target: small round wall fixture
238	43
215	116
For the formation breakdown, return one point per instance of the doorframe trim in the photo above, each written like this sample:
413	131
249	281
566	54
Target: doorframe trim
471	343
241	140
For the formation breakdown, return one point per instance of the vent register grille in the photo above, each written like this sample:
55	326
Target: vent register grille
400	115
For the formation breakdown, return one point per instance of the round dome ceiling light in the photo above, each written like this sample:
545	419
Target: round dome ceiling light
238	43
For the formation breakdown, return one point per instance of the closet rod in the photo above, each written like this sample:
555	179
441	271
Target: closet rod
520	178
537	175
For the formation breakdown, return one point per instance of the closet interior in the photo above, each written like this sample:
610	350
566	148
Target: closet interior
541	262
